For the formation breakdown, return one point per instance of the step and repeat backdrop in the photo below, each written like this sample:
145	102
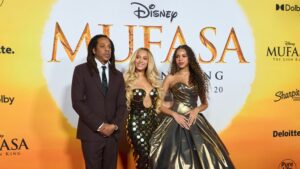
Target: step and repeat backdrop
248	49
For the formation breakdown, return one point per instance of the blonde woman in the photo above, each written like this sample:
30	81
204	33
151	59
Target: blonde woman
143	101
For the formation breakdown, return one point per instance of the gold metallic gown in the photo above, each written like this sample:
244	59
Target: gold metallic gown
141	123
173	147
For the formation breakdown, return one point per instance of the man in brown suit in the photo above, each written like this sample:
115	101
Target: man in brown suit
98	96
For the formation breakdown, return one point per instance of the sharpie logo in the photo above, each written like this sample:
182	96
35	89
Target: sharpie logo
150	11
281	95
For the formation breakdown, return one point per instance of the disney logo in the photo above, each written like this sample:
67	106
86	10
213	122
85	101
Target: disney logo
145	12
288	43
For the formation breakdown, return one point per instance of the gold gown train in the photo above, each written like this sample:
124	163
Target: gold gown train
173	147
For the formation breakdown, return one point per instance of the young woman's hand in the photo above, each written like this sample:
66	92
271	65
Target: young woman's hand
192	116
181	120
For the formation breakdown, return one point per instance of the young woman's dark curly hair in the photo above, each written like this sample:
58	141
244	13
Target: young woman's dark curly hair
197	76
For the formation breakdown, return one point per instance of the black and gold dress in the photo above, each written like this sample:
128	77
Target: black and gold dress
141	123
173	147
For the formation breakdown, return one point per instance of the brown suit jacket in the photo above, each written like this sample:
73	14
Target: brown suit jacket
93	106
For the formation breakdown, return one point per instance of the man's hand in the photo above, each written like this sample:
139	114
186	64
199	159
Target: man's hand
107	129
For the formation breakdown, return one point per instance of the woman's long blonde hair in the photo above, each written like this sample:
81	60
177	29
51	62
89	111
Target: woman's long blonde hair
151	74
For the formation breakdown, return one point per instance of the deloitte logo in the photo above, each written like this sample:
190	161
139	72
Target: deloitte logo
6	50
287	7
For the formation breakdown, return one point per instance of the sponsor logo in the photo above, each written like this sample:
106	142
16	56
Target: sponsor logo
281	95
7	99
6	50
287	164
279	7
287	7
286	133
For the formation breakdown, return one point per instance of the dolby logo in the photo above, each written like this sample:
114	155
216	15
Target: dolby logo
287	7
6	99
